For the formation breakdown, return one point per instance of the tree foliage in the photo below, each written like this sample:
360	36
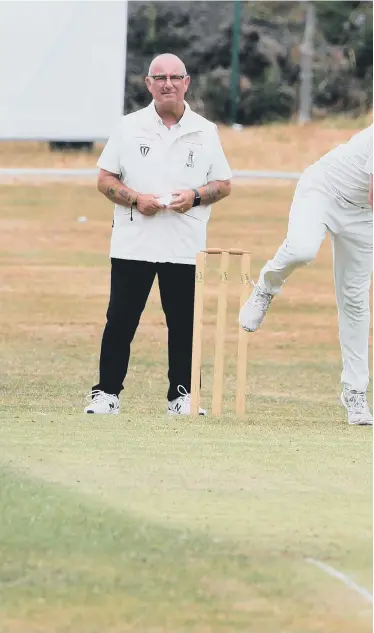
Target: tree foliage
200	32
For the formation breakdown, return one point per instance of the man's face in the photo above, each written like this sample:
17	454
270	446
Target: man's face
168	82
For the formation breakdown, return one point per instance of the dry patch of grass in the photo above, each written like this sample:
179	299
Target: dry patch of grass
152	524
281	147
49	254
285	146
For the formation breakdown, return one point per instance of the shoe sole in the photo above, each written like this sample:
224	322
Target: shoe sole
353	423
174	413
95	413
246	329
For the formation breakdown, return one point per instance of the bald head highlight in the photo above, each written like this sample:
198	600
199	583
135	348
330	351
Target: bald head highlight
167	63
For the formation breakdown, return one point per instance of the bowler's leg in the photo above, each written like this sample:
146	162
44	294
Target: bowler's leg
353	260
306	231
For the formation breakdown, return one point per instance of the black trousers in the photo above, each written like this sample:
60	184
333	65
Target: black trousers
131	282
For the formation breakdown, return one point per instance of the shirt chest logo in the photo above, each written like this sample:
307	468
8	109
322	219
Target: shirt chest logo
144	149
190	160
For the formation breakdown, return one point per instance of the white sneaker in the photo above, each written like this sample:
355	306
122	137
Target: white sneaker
356	404
182	405
101	402
253	311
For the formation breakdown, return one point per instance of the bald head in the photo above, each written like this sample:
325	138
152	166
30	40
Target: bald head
165	64
167	81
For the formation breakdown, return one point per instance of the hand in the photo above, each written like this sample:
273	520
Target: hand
147	204
182	200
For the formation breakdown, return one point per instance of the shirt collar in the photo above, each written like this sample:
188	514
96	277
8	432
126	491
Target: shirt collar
184	122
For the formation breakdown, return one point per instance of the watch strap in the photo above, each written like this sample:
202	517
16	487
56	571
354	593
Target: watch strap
197	199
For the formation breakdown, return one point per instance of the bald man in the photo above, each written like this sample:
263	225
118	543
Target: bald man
163	168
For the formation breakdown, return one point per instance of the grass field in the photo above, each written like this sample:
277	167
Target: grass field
150	524
284	146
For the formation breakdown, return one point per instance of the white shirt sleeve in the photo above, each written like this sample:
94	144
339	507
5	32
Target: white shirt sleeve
110	156
368	168
219	168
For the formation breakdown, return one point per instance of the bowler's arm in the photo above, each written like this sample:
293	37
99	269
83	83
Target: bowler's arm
111	186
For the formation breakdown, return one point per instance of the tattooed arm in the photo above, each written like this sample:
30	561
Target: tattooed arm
111	186
214	191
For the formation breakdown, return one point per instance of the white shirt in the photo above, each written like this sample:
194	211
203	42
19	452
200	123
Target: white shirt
150	158
348	167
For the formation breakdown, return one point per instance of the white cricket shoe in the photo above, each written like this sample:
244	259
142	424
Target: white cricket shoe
358	409
253	312
182	405
101	402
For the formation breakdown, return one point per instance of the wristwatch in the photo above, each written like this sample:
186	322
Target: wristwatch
197	199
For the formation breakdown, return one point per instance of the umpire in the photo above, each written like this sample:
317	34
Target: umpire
162	167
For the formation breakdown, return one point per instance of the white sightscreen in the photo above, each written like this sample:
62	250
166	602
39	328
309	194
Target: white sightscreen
62	69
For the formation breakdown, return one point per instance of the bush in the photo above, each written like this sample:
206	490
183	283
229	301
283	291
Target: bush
269	55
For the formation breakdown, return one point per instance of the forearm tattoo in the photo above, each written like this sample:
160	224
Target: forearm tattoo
127	197
112	192
212	193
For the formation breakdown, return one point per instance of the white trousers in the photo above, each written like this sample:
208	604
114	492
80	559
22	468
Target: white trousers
316	209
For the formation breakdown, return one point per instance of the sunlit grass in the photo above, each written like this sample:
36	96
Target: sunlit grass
145	523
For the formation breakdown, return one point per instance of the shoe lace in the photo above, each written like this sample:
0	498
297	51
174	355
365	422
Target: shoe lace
356	401
261	298
183	393
98	396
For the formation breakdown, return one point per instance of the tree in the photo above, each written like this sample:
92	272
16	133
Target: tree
306	63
